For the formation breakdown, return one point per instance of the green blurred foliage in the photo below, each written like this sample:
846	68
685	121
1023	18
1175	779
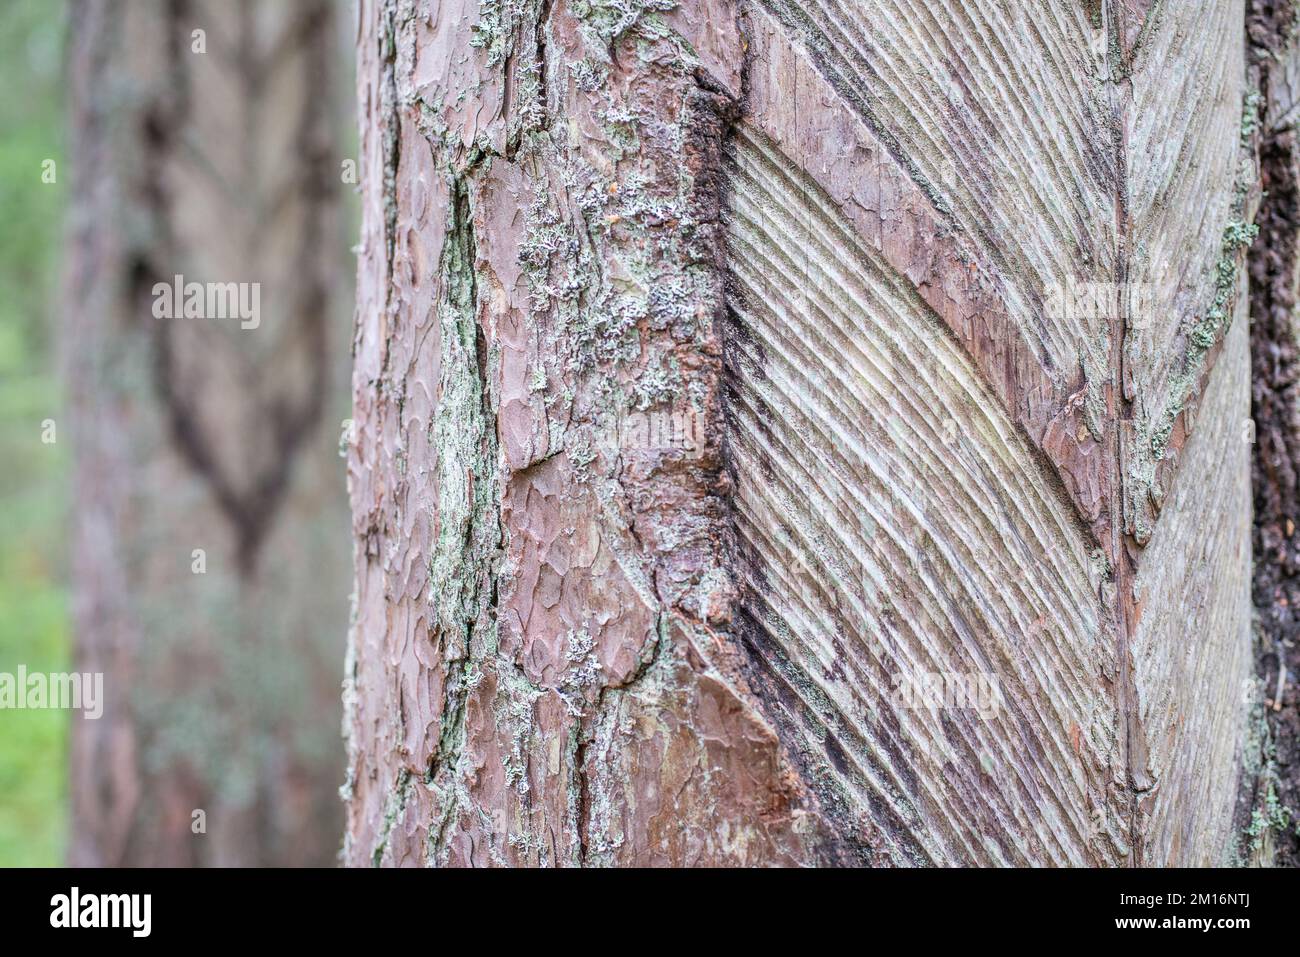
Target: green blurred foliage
34	629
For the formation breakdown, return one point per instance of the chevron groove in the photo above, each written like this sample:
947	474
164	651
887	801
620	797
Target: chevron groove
992	153
1008	187
872	549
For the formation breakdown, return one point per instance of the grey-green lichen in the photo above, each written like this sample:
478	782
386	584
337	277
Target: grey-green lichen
1154	430
463	429
1205	331
1273	816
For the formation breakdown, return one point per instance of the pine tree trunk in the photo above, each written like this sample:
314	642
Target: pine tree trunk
207	587
747	470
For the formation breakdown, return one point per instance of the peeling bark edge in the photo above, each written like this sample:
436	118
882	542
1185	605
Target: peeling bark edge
1270	787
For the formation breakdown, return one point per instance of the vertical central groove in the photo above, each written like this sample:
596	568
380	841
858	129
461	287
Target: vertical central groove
1120	414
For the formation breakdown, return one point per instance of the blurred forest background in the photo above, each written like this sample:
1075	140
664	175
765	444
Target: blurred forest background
256	699
34	627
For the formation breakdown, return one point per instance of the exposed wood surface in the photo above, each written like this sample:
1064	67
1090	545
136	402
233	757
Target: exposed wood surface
899	525
952	189
1188	176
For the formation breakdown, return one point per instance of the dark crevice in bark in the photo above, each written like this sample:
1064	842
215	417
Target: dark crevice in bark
1275	410
581	785
463	631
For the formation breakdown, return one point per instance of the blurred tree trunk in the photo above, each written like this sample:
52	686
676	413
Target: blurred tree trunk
208	574
716	396
1274	797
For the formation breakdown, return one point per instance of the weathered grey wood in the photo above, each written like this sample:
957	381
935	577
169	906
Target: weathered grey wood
863	99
